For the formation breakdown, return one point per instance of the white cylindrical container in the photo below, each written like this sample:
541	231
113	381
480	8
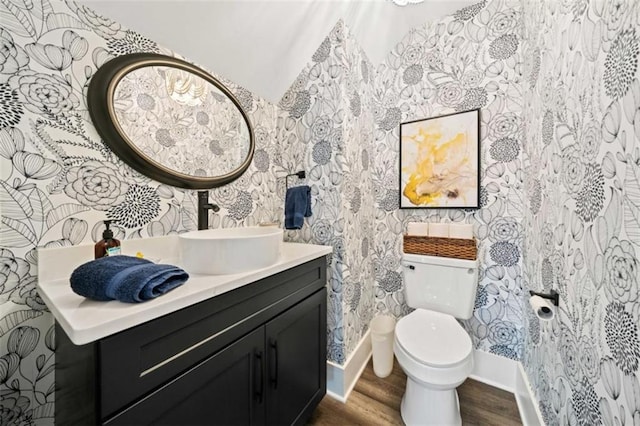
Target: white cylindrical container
382	328
439	230
419	229
461	230
543	308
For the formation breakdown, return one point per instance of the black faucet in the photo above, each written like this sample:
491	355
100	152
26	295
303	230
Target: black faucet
203	209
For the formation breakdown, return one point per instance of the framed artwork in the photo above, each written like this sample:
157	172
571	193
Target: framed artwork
440	162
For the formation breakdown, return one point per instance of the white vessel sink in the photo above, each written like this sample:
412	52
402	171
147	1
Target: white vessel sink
230	250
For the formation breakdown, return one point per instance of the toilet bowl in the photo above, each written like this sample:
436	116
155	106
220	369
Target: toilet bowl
435	352
431	346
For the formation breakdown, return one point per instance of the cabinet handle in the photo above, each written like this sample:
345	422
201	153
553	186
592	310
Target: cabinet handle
260	390
274	379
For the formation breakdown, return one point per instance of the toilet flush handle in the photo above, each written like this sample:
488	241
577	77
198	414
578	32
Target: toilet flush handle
410	267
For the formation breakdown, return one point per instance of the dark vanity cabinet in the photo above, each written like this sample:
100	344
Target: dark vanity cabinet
252	356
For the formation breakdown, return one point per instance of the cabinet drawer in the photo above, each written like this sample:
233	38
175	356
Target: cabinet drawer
137	361
224	389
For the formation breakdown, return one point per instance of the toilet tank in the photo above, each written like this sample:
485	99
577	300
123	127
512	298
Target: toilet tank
440	284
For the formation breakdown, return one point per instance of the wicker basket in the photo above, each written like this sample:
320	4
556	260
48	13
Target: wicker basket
442	247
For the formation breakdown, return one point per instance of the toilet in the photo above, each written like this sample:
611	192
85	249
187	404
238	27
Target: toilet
432	348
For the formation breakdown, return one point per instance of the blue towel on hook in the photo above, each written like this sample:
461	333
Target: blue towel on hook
297	206
125	278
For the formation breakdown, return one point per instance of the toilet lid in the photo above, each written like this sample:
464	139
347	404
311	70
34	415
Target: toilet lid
433	338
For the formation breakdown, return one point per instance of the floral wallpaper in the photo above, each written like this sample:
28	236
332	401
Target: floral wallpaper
557	84
340	120
325	126
167	112
582	198
466	61
358	200
58	180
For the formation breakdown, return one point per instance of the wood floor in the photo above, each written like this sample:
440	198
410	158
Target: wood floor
376	401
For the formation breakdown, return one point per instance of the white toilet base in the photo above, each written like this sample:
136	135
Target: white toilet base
425	406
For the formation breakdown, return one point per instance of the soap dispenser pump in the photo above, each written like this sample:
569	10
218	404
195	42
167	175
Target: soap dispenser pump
107	246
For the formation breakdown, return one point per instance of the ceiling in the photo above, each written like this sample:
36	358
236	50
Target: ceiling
264	44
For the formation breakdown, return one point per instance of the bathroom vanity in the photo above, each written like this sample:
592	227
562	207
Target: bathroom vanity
252	350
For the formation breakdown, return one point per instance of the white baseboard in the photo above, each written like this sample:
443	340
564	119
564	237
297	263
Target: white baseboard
509	375
527	402
494	370
342	378
491	369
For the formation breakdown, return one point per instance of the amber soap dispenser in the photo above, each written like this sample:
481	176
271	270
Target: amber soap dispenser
107	246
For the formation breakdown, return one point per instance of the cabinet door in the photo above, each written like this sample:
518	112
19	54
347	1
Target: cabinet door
296	355
227	389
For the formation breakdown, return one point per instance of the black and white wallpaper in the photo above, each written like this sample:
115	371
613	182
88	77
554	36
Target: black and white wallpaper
325	125
557	84
582	207
466	61
58	180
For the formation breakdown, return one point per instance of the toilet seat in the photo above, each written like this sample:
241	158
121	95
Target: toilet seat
433	339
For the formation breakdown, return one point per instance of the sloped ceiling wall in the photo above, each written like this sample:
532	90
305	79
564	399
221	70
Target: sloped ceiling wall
262	45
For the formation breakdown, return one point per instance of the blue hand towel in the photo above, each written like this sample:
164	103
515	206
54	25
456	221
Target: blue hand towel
297	206
125	278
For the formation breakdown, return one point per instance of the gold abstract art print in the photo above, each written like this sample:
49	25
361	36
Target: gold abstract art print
439	161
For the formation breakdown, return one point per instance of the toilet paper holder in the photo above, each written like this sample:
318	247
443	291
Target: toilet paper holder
554	296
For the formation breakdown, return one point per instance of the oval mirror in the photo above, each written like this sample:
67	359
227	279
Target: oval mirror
170	121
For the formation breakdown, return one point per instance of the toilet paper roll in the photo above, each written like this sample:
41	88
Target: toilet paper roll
461	230
543	308
439	230
420	229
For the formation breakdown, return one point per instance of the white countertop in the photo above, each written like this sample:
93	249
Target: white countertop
86	320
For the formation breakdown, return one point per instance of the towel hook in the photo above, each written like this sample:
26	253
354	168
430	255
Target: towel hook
301	175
